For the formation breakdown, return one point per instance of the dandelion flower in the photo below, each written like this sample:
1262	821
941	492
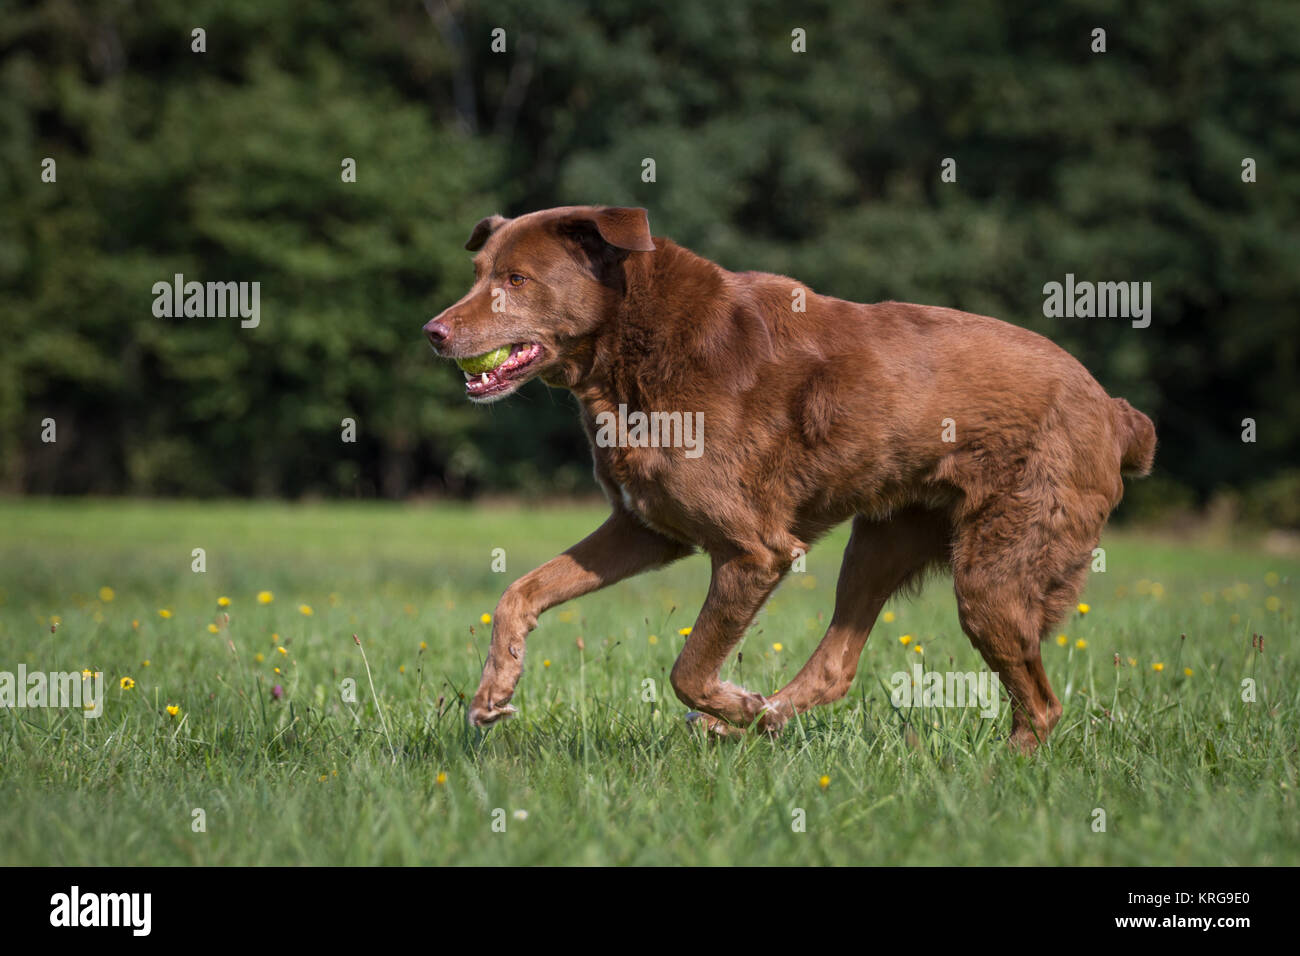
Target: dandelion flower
223	602
919	649
889	617
1084	608
282	649
126	683
277	670
173	710
146	662
106	594
546	663
259	657
1273	602
485	618
1132	662
265	597
305	610
165	613
424	646
684	631
135	624
441	779
824	782
1157	667
653	639
905	639
778	647
1187	671
1062	640
213	629
1081	644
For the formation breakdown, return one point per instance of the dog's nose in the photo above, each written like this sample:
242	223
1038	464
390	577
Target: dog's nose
438	332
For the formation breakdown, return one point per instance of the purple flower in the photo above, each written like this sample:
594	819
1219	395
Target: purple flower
277	691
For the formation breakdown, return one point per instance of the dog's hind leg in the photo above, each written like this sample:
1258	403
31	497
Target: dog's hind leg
1018	566
880	558
1005	629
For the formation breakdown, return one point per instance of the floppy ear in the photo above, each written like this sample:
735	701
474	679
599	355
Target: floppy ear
485	228
624	227
604	235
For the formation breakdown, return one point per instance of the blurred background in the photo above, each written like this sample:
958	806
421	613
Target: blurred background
825	165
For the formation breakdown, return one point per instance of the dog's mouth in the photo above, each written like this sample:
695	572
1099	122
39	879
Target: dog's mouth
495	373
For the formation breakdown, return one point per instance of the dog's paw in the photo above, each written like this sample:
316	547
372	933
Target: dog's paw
774	715
711	726
485	715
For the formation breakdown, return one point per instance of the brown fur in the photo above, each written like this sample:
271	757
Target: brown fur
811	418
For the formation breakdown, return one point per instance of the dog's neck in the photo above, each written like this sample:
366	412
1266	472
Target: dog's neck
674	326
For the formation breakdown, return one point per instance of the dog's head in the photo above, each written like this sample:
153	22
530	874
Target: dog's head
544	284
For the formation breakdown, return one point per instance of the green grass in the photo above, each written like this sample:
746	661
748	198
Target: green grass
1186	772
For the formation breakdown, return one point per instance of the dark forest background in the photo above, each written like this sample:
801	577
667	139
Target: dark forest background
825	165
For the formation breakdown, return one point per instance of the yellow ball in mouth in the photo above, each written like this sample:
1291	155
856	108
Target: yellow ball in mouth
485	362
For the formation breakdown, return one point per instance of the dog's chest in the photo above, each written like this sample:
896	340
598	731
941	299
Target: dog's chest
644	481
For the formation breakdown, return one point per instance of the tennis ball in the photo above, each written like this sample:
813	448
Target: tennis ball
485	362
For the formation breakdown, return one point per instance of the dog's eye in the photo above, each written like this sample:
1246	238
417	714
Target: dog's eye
516	279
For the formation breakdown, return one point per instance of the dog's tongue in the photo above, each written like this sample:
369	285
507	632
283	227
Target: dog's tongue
485	362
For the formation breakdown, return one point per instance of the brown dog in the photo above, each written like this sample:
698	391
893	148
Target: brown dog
949	439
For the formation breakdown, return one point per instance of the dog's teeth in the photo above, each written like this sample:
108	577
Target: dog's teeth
484	378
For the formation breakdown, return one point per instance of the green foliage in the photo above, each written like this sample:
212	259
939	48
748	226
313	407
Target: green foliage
824	165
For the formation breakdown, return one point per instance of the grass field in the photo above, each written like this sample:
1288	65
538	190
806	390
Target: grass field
1185	770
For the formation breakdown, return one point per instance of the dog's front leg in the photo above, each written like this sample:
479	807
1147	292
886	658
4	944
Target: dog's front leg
739	587
619	548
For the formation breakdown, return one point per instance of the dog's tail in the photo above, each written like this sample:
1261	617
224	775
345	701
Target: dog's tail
1137	439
